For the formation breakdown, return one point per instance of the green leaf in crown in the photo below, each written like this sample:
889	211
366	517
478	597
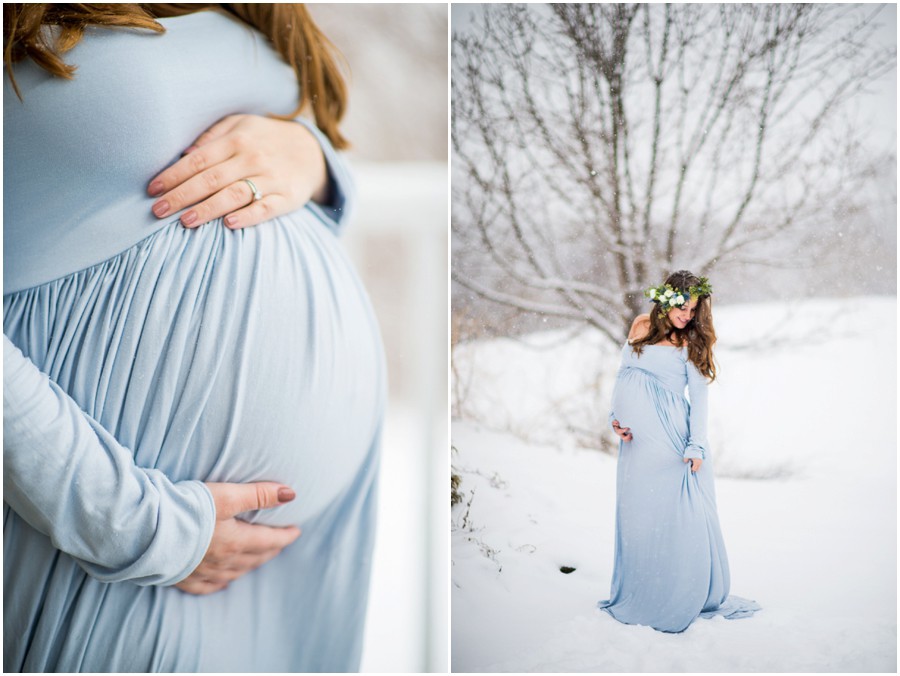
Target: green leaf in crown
669	297
704	288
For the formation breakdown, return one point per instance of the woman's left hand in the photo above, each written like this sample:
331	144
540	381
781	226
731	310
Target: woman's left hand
695	463
281	158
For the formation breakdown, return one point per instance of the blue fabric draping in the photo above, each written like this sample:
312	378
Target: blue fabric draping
670	561
142	359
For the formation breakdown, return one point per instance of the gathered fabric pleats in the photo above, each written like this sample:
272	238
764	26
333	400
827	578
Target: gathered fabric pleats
670	562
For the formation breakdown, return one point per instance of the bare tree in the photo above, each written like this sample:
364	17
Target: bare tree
596	144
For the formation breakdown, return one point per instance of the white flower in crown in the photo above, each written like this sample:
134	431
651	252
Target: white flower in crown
652	294
678	300
668	293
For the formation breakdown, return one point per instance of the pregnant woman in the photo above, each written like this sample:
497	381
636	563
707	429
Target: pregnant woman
152	355
670	562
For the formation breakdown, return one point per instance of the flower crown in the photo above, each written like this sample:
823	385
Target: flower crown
669	297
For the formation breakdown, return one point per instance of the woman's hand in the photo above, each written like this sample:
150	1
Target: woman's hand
623	432
238	547
281	158
695	463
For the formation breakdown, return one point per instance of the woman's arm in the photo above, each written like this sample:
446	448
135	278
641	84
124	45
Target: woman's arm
291	164
639	328
698	393
68	478
71	480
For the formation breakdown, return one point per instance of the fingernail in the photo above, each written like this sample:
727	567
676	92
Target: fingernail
286	495
189	217
156	188
161	208
231	220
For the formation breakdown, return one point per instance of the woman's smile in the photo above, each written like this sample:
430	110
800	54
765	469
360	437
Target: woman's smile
681	317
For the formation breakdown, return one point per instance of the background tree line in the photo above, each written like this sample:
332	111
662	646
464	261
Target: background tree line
597	146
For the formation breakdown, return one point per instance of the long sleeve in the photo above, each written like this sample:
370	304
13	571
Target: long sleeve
71	480
342	192
698	393
612	412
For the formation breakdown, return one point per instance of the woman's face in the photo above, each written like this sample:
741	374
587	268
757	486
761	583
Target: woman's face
680	317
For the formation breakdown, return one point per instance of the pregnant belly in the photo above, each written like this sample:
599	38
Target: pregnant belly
220	355
657	416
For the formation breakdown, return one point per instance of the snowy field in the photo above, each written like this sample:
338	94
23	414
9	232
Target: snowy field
803	422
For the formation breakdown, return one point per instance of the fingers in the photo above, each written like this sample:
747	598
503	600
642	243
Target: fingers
232	499
207	193
237	549
237	195
196	586
218	130
210	193
255	212
695	463
187	167
623	432
257	540
225	563
223	191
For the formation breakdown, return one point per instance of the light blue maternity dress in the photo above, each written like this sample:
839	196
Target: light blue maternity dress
142	358
670	562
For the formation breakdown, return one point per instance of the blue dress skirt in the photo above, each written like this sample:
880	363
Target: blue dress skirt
142	359
670	561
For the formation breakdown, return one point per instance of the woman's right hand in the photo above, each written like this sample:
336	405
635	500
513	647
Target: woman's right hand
282	157
238	547
623	432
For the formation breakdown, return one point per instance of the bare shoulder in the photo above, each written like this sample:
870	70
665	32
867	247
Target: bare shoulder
640	327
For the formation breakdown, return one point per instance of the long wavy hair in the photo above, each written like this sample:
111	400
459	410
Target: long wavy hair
698	334
289	27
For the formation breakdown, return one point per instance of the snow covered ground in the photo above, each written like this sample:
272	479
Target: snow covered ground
804	435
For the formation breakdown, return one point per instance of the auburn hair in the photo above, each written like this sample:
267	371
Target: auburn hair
289	27
698	334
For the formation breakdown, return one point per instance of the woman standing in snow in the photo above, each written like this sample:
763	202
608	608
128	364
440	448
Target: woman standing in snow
670	562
